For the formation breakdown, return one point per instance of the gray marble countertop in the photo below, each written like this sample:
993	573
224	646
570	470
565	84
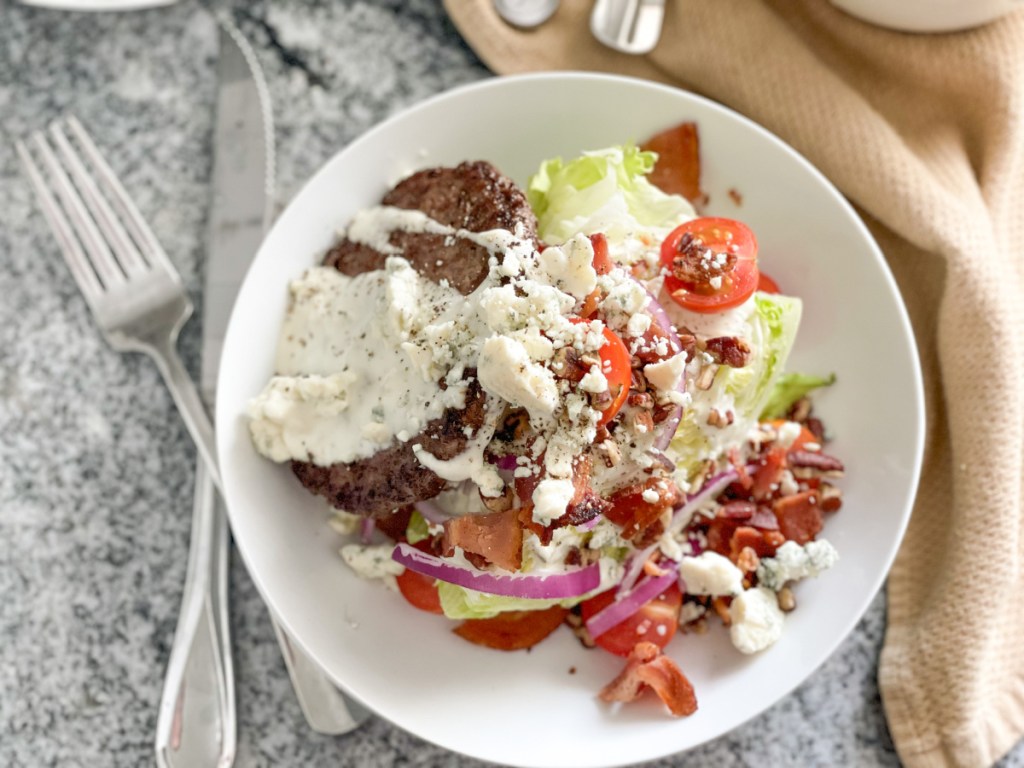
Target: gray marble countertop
96	469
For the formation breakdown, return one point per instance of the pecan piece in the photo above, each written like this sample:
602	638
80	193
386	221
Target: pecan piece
816	460
728	350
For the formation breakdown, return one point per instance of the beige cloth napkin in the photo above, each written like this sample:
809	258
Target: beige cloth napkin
925	134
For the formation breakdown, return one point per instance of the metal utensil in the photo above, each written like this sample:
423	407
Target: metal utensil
628	26
241	210
138	301
133	290
526	14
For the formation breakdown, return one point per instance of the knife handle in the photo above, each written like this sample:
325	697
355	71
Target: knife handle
196	722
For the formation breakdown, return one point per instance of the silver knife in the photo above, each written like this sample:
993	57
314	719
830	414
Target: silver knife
241	210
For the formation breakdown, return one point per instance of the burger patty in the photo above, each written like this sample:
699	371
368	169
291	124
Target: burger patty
472	196
394	477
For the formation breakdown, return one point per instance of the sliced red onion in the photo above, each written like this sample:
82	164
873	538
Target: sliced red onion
635	569
431	512
711	488
695	546
589	525
532	586
366	529
625	606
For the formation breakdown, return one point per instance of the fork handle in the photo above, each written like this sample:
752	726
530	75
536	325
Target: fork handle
190	405
196	724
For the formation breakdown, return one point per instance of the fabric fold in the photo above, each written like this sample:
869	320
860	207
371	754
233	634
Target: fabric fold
925	135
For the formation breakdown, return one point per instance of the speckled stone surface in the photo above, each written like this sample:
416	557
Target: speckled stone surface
96	469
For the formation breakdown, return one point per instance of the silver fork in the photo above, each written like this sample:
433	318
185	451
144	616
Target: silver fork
139	303
629	26
127	280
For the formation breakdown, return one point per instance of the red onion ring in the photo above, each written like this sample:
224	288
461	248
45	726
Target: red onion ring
624	607
572	583
711	488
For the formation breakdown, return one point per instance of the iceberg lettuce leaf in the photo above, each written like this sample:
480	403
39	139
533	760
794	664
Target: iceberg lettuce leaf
791	387
602	191
771	328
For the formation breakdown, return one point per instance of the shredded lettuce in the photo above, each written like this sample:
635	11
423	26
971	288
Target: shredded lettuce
789	388
462	603
602	191
771	326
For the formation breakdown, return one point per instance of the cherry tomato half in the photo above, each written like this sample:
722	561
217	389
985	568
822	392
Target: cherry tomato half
512	630
655	622
733	286
616	368
419	591
766	285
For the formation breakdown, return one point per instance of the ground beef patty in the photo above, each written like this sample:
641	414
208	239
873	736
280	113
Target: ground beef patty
472	196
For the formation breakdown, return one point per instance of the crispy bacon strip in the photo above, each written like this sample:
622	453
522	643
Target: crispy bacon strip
678	168
648	668
495	536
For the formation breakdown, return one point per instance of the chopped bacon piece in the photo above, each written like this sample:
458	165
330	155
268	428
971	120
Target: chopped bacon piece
799	516
647	668
768	473
496	536
737	509
744	479
764	543
394	525
633	513
677	170
764	519
719	535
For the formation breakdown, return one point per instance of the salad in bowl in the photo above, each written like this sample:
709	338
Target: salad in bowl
564	405
484	326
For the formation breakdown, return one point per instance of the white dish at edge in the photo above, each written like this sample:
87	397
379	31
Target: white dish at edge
526	708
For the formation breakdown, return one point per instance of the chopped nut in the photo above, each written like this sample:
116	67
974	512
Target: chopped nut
787	600
642	422
609	452
831	498
747	560
706	377
640	400
575	622
800	411
718	419
639	381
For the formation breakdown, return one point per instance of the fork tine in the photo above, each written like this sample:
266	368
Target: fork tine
96	249
76	259
124	249
130	215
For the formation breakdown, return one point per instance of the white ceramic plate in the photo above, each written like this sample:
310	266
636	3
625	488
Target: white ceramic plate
526	708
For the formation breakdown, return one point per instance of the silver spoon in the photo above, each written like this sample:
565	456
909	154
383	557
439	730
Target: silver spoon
630	26
525	14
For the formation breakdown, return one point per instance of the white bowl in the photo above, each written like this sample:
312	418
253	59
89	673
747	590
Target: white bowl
527	708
